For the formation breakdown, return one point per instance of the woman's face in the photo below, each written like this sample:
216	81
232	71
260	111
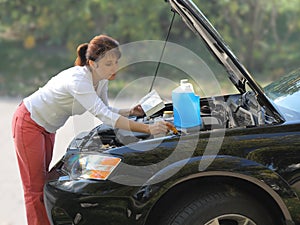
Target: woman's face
106	67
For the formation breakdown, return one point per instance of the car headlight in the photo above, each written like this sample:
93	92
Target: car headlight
92	166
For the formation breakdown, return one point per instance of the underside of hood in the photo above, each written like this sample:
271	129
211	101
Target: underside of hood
237	73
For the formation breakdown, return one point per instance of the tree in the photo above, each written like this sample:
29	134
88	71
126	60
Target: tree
43	35
262	33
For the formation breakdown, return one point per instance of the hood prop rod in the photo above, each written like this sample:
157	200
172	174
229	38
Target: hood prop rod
162	52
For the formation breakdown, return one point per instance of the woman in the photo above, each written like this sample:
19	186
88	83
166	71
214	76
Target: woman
73	91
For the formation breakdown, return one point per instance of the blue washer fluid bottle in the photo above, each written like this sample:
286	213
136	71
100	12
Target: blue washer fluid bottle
186	106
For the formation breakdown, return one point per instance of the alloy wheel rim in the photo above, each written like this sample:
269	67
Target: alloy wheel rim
231	219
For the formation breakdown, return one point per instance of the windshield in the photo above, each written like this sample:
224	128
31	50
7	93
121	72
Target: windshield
285	93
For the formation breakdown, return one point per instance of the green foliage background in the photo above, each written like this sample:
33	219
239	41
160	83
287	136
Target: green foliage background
38	38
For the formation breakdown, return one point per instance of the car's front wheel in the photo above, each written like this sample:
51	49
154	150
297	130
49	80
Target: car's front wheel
219	208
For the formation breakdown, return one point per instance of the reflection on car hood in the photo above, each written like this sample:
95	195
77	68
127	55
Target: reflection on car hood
237	73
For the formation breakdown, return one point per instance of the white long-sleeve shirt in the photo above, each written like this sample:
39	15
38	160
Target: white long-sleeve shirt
71	92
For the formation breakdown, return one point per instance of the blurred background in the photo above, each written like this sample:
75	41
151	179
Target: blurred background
39	38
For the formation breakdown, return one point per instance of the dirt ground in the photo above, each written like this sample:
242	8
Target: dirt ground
12	203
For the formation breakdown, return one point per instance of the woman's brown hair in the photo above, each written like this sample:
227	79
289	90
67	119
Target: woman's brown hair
96	49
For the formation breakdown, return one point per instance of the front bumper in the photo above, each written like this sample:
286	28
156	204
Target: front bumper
88	202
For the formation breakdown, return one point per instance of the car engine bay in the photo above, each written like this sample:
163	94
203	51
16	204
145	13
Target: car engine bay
224	112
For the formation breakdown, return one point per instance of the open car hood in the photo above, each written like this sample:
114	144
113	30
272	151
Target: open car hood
237	73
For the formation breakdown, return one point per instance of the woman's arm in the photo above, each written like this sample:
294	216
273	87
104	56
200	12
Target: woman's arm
156	128
135	111
124	112
102	93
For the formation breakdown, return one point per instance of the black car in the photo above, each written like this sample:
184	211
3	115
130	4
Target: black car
241	166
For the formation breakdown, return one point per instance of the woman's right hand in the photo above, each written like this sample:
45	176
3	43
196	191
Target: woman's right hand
160	127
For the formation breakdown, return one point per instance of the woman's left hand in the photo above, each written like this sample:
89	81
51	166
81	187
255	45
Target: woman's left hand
137	111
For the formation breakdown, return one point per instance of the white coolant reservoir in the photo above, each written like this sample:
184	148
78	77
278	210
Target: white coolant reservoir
186	106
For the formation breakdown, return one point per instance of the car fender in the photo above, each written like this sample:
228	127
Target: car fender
222	166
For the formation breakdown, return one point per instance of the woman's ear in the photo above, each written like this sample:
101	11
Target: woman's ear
94	64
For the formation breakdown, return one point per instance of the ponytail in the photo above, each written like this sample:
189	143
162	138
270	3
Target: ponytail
81	59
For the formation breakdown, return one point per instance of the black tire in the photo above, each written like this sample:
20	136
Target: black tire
223	208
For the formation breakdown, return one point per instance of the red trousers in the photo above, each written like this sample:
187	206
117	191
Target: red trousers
34	148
